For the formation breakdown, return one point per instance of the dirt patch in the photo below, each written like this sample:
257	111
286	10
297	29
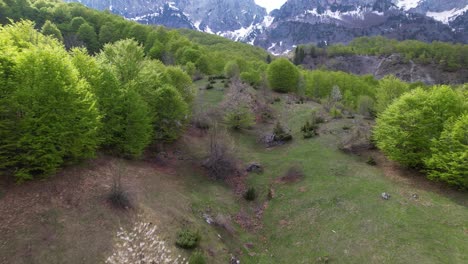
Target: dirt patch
293	175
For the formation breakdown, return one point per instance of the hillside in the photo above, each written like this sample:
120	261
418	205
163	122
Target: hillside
130	143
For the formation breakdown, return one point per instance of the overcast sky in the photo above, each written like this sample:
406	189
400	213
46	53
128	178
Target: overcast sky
270	4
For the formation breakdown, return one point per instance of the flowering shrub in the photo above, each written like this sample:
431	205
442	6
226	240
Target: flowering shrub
142	245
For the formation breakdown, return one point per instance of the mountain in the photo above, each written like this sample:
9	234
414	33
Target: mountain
302	21
212	16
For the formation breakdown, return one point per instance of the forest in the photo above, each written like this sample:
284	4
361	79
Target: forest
450	56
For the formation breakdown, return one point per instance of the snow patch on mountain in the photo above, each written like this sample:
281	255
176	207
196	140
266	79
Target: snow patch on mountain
447	16
408	4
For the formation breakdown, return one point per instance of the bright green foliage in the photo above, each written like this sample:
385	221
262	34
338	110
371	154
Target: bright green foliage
126	116
126	57
388	90
319	84
176	77
405	130
283	76
56	119
87	34
136	134
239	118
231	69
50	29
251	77
190	69
366	106
449	159
171	114
203	65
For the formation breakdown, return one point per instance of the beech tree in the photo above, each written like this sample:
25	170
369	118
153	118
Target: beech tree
50	29
389	89
283	76
405	130
449	159
126	119
56	119
87	34
171	115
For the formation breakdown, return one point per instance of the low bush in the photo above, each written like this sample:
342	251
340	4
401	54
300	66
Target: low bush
281	134
239	118
371	161
250	194
118	197
221	163
187	238
201	121
335	113
309	129
197	257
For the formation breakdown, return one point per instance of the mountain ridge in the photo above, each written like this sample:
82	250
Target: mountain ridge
301	21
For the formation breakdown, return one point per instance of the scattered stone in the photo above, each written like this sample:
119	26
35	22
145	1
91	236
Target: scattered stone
234	260
208	218
415	196
255	167
385	196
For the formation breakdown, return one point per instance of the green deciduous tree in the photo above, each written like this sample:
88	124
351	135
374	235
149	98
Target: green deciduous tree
87	34
231	69
405	130
449	159
388	90
283	76
50	29
181	81
57	120
126	119
126	57
171	114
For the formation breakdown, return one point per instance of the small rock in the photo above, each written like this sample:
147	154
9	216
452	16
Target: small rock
385	196
208	218
255	167
415	196
234	260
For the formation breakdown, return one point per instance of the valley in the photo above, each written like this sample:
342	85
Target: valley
199	132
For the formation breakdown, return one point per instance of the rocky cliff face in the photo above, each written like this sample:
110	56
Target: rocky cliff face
302	21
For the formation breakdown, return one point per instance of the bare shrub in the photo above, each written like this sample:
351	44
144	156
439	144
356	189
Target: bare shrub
221	163
117	196
142	245
201	120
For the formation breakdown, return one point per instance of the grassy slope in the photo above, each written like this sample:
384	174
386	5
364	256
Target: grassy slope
335	211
